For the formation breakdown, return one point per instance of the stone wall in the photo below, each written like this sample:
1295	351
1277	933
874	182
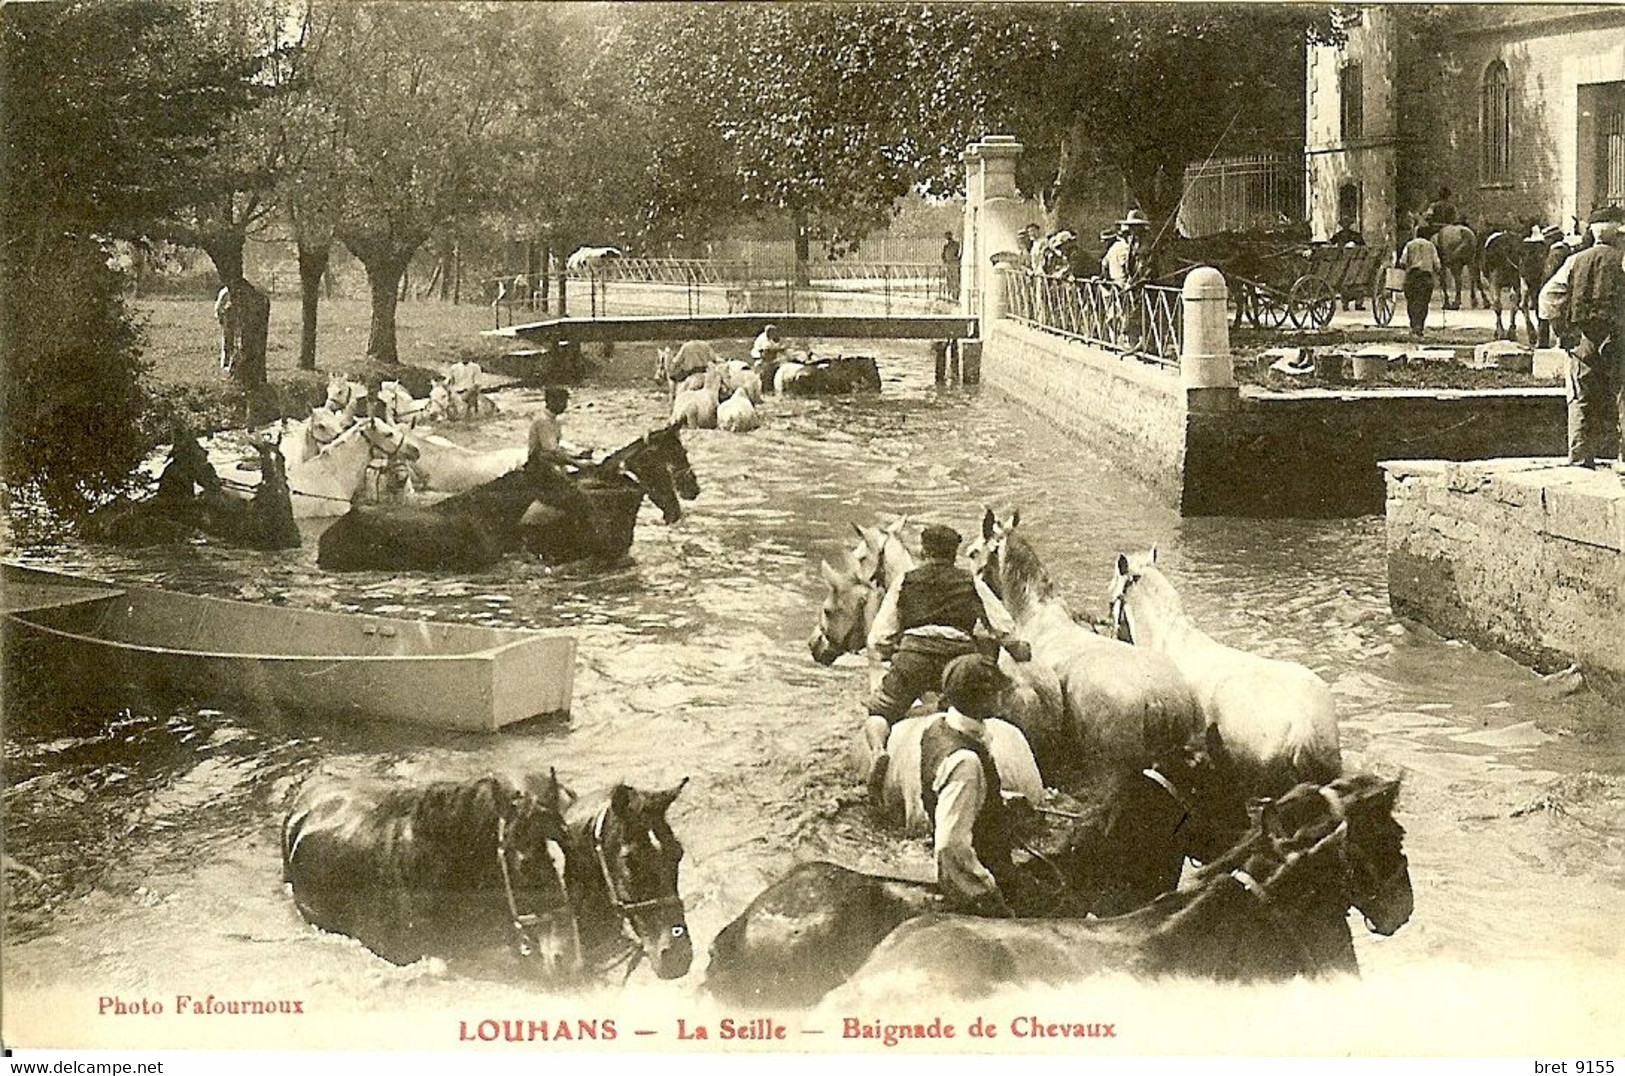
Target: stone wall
1131	412
1314	453
1301	454
1521	556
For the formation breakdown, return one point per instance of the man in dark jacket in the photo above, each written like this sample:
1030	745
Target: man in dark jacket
929	617
1596	310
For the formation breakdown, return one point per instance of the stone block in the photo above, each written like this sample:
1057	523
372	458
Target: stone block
1503	355
1550	362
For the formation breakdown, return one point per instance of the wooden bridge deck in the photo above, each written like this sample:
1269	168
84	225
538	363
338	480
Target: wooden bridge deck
742	327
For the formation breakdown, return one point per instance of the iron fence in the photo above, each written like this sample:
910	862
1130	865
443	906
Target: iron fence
1145	321
694	286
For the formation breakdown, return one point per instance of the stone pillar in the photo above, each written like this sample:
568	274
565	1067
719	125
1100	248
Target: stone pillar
994	213
1204	353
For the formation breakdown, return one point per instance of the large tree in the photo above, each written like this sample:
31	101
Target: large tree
424	101
110	112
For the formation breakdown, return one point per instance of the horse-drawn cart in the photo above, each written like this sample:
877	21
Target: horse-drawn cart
1304	284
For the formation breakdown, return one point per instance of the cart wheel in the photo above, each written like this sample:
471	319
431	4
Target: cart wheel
1382	303
1312	302
1272	308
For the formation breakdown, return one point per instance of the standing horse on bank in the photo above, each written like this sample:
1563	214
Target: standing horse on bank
1274	907
1277	718
1512	261
445	869
1458	250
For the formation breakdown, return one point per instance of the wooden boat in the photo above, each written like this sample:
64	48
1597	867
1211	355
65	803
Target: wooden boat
111	640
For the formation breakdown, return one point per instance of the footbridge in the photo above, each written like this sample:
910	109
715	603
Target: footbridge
554	332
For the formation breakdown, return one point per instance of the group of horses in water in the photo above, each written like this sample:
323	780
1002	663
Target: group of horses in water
405	499
1192	818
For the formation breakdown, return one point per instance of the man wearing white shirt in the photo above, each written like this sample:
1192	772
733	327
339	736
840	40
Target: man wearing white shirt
970	832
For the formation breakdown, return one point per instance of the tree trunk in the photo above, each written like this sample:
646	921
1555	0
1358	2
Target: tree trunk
313	263
803	275
542	280
456	274
226	251
564	273
383	280
247	326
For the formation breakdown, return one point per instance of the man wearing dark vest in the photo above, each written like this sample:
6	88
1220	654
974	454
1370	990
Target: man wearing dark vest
970	826
928	618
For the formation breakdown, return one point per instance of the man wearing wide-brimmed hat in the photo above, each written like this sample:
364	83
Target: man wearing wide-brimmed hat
1557	252
1122	261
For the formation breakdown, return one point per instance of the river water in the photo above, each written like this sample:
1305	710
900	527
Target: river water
142	847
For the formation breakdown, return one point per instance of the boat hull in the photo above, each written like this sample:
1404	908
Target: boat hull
139	643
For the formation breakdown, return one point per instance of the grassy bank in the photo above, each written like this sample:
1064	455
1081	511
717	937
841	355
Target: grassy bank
183	350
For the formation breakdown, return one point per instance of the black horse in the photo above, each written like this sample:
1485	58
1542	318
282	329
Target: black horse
621	870
448	869
190	499
536	507
1124	845
1274	907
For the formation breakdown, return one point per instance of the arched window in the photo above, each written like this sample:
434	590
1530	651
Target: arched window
1495	125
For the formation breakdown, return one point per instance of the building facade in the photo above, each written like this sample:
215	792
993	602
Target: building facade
1516	109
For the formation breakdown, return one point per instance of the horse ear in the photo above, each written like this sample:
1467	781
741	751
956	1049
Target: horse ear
1153	554
830	575
1218	752
988	523
1015	520
660	802
1122	565
620	800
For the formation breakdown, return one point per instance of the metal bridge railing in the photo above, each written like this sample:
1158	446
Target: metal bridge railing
694	286
1144	321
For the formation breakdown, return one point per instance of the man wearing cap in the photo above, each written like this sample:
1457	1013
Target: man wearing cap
1596	312
970	826
928	618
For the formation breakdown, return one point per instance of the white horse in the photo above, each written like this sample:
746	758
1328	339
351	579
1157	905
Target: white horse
1277	717
586	259
444	466
1125	706
737	376
697	399
326	481
737	414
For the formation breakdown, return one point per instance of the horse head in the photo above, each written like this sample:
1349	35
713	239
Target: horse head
633	858
325	424
659	463
532	857
663	361
882	556
849	609
987	552
1130	569
1380	877
1201	778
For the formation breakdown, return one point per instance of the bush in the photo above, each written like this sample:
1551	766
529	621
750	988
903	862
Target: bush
71	401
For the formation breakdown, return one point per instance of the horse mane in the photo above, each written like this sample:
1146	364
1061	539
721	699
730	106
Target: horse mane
1024	576
443	833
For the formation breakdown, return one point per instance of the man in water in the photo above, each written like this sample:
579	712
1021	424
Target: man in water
546	429
928	618
971	835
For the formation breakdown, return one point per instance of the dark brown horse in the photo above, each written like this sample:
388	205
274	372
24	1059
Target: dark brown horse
448	869
1512	262
590	517
1274	907
621	870
190	499
1123	846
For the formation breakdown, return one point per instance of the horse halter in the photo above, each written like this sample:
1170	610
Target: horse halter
1261	890
633	943
1120	619
524	924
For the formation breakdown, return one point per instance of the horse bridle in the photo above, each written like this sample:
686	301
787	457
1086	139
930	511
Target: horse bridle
632	949
1260	890
525	923
1120	607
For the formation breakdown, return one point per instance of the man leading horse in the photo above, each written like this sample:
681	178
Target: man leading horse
928	618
